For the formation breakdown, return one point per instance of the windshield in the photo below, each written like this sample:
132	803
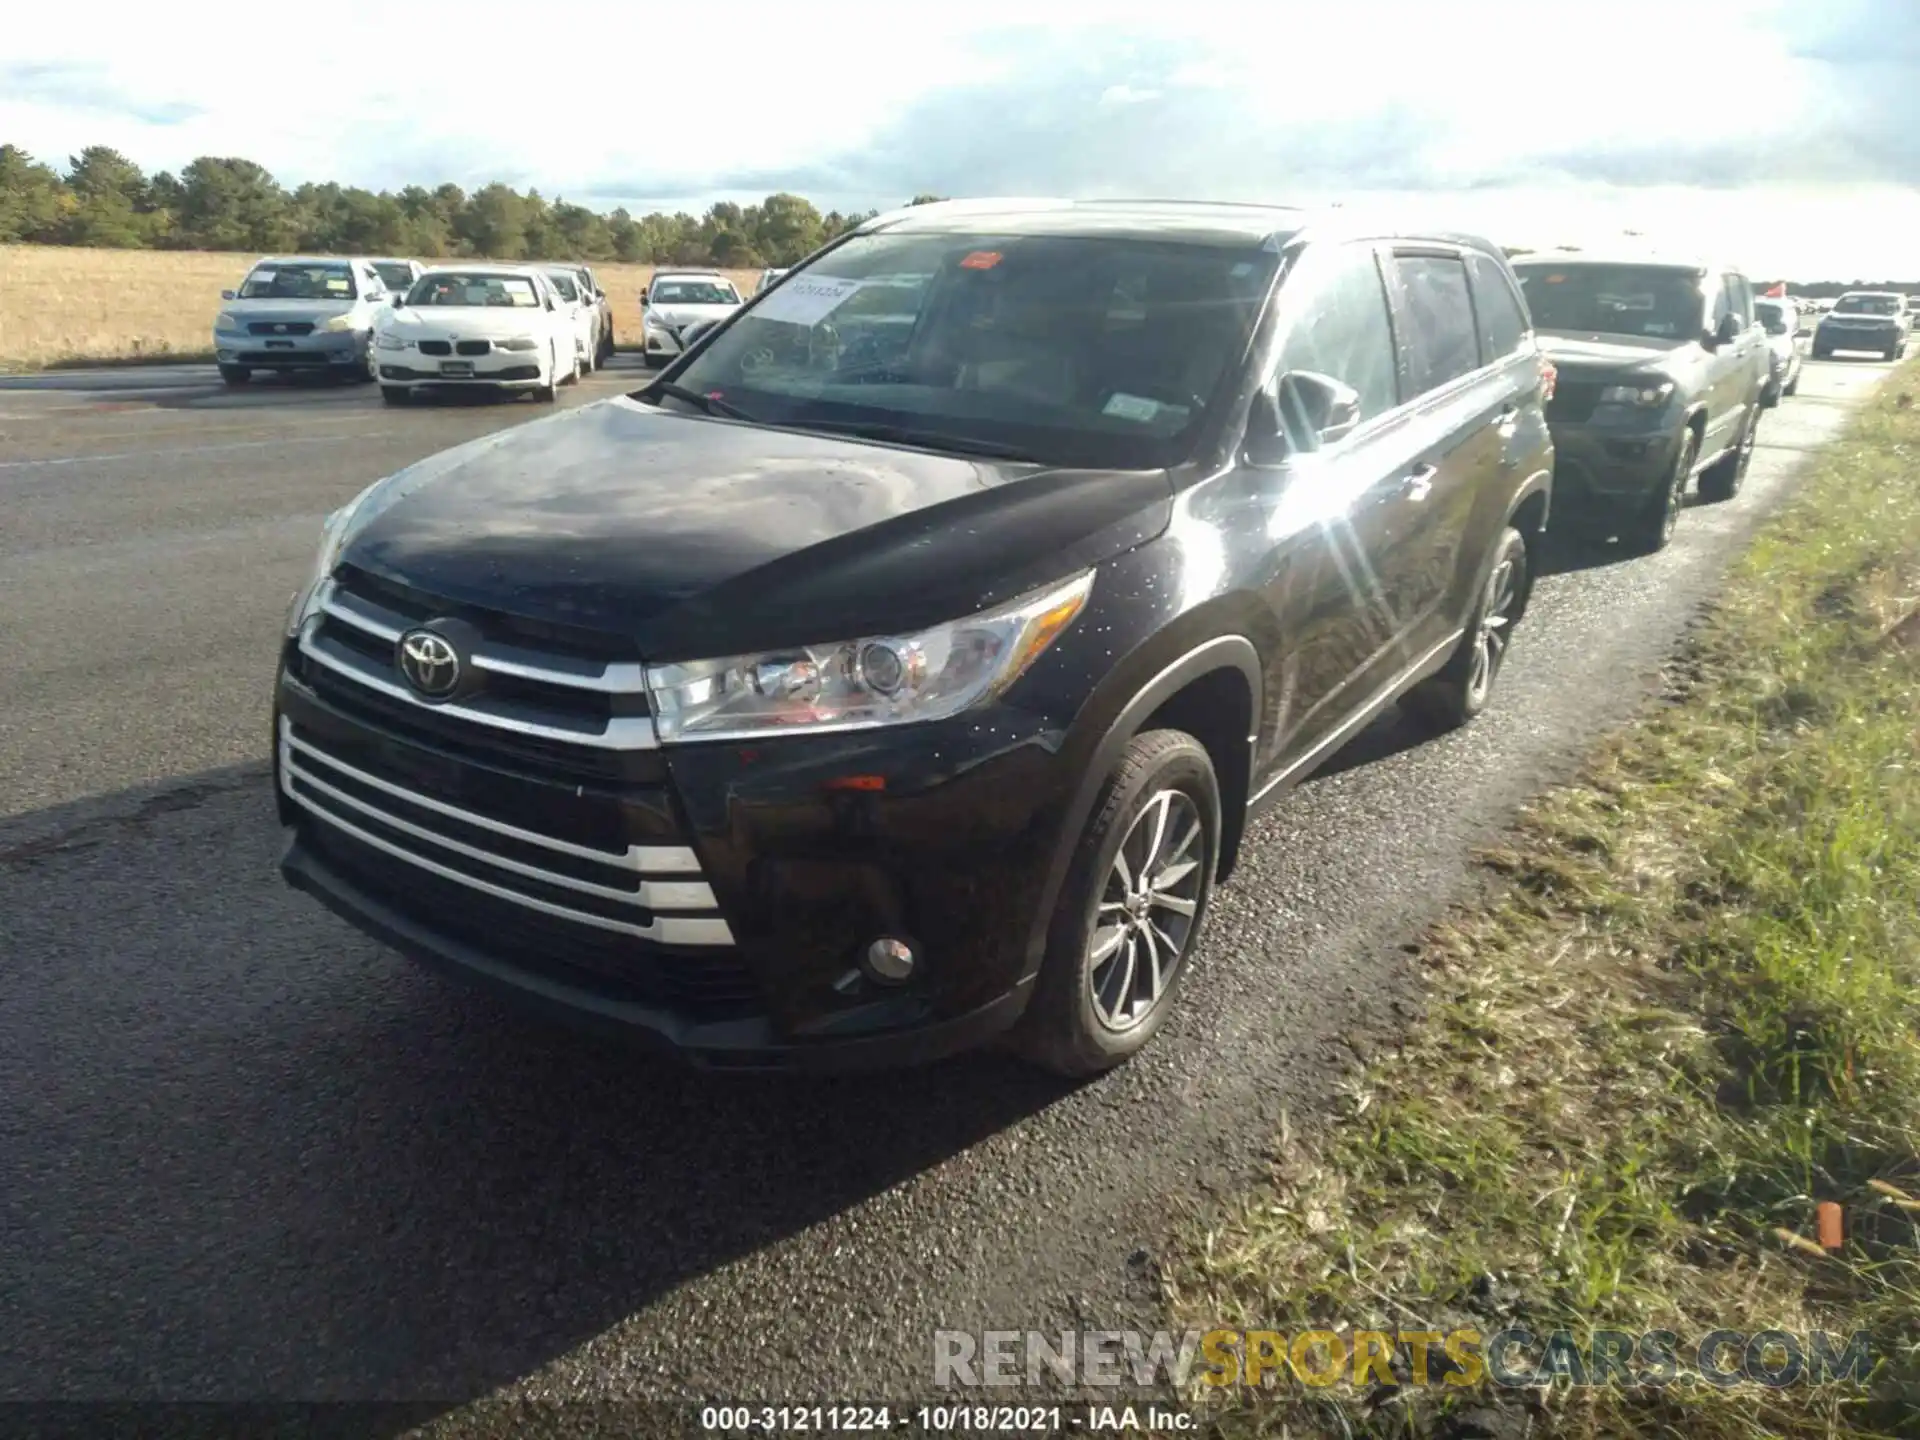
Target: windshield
693	292
1867	305
395	277
563	282
1639	300
1772	315
478	288
299	282
1069	348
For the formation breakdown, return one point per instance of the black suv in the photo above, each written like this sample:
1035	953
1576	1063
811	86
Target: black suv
1662	368
902	667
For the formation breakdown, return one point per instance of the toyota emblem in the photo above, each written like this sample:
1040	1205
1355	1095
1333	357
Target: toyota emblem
279	329
430	663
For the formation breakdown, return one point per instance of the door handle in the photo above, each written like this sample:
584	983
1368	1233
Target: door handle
1507	419
1418	482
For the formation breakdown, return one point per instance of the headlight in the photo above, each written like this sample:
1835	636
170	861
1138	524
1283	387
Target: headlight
337	325
391	342
647	317
1647	395
333	536
519	342
862	684
228	322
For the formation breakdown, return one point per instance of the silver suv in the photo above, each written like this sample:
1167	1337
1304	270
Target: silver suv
301	312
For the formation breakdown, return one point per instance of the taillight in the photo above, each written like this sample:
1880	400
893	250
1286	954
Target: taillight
1549	377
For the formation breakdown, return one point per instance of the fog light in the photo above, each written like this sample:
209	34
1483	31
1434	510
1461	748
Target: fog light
890	961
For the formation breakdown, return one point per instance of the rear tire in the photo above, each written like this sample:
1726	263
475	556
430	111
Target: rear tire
235	374
1462	689
1656	524
1131	910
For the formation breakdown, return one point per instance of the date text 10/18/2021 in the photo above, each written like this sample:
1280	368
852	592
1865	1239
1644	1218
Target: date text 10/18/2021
945	1419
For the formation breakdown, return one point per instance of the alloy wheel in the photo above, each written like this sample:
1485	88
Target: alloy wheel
1496	618
1147	910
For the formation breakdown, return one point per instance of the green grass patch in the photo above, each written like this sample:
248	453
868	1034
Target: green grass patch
1689	1013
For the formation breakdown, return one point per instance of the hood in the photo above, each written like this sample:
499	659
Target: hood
287	309
1572	351
461	322
702	538
687	314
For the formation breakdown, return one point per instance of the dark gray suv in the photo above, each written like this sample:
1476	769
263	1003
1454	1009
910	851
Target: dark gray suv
1663	366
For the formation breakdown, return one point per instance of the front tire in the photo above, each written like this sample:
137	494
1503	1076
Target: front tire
395	394
1792	387
1654	530
1722	479
235	374
1131	910
1461	690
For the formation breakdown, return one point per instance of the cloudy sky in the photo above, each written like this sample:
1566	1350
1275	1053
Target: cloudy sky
1785	133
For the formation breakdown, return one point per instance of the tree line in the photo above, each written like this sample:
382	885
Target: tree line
224	203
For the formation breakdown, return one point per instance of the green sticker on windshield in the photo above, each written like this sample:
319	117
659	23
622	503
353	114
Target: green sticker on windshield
1130	407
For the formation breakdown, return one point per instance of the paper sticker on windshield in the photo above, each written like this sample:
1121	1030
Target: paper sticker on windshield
338	287
981	260
1130	407
806	299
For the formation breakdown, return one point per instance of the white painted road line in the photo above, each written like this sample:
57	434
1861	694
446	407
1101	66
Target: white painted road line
196	449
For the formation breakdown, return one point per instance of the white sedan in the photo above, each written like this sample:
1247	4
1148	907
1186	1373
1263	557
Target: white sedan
586	318
676	300
466	326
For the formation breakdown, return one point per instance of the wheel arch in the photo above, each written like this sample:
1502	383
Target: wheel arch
1212	690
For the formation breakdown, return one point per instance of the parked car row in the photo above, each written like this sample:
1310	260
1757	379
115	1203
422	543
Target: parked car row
902	669
363	319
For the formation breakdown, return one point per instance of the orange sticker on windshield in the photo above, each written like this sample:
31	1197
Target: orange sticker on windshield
981	260
1556	279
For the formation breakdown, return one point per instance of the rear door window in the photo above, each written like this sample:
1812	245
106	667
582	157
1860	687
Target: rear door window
1502	318
1441	339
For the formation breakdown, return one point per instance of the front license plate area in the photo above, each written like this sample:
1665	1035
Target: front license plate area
456	367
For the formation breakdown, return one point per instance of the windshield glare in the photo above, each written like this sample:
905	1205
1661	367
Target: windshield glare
508	291
395	277
694	292
1640	300
564	284
1070	348
299	282
1867	305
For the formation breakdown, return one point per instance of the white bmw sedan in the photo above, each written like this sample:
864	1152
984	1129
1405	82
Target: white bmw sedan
467	326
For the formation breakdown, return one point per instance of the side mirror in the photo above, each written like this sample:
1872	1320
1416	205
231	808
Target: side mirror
691	335
226	294
1728	330
1305	412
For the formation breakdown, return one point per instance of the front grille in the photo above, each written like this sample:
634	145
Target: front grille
473	347
280	327
635	921
435	347
530	690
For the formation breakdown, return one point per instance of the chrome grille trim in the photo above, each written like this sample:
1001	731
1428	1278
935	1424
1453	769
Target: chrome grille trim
693	930
612	678
620	732
641	859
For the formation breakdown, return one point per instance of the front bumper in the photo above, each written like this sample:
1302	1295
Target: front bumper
791	871
1612	462
1858	339
661	344
318	350
508	370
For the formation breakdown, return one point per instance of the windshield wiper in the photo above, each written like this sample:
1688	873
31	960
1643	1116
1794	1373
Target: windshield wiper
707	404
924	439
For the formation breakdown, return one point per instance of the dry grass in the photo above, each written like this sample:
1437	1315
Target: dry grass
63	304
1690	1014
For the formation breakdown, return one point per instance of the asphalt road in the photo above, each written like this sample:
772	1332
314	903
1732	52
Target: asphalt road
247	1154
